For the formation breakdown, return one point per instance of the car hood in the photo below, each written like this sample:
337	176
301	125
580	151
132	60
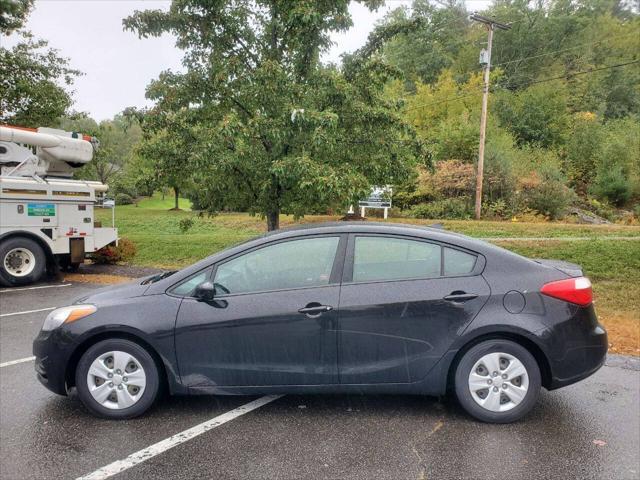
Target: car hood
115	292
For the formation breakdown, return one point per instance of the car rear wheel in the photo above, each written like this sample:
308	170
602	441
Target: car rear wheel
497	381
22	261
117	379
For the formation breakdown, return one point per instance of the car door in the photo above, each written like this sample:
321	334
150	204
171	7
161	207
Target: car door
403	301
272	320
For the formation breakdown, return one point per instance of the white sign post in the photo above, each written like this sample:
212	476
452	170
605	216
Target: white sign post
380	197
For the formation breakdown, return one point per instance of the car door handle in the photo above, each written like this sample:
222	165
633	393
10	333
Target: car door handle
460	297
315	309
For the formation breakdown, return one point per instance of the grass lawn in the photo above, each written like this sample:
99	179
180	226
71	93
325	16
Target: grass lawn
613	265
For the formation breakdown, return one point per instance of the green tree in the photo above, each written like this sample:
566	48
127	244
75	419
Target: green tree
13	14
423	53
536	115
117	139
33	78
261	122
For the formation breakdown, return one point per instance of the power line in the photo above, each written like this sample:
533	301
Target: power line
563	50
479	88
574	74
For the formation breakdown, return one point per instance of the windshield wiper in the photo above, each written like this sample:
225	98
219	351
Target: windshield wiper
158	277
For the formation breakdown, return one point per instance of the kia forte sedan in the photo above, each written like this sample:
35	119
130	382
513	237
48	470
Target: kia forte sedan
354	308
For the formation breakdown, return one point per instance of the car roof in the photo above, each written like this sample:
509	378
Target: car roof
419	231
428	232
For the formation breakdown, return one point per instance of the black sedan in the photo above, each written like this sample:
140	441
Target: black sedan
333	308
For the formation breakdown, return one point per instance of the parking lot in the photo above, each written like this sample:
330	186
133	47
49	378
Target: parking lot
588	430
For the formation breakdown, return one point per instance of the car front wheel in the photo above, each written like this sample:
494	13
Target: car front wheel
117	379
497	381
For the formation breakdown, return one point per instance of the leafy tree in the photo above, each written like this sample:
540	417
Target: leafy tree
423	53
13	14
260	121
117	138
32	76
536	115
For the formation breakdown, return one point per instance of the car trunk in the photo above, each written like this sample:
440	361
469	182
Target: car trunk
570	269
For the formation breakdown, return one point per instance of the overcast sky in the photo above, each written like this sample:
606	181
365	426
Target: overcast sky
117	65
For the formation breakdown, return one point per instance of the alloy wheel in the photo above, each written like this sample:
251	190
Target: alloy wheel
498	382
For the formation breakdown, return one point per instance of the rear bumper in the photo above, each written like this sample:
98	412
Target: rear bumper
579	349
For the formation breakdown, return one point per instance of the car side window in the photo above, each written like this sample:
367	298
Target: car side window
187	287
457	262
389	258
291	264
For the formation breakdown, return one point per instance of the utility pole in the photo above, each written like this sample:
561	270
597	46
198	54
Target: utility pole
485	59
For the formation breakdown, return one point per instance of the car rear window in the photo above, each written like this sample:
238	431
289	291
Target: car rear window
391	258
388	258
457	262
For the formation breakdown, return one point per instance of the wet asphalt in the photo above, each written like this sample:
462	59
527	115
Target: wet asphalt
590	430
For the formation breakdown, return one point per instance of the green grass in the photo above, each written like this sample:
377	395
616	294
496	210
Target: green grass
156	202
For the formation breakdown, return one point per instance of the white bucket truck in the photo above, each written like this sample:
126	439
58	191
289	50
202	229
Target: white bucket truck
46	218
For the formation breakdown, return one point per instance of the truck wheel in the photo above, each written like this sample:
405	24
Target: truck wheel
22	262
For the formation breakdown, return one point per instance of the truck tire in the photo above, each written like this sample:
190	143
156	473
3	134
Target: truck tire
22	261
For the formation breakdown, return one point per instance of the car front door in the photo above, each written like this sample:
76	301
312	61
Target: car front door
272	320
403	302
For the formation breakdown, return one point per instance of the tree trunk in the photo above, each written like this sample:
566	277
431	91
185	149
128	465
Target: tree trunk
273	220
176	190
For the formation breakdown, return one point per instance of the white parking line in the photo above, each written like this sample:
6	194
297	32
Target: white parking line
15	362
28	311
8	290
164	445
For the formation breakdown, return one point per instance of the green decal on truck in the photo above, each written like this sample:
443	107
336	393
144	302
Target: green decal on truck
41	209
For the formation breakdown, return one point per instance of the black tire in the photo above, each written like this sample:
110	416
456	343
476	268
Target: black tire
149	395
8	279
467	362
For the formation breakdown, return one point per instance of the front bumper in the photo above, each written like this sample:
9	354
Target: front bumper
51	361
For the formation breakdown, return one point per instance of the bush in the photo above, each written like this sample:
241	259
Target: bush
612	184
448	208
185	224
111	254
123	199
545	192
453	178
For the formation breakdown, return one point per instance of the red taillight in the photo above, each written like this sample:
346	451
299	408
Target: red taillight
573	290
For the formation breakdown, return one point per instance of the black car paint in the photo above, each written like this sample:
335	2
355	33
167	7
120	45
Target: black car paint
254	343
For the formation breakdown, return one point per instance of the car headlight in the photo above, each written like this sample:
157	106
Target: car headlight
66	315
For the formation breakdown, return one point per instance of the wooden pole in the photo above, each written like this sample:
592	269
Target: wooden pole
483	126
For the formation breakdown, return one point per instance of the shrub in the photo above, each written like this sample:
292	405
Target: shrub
448	208
497	209
545	192
185	224
111	254
453	178
612	184
123	199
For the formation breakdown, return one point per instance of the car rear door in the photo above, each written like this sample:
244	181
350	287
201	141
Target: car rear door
273	319
403	301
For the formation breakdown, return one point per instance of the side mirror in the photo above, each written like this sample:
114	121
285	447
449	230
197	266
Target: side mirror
205	291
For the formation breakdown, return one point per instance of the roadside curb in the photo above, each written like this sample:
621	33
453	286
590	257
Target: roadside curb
623	361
